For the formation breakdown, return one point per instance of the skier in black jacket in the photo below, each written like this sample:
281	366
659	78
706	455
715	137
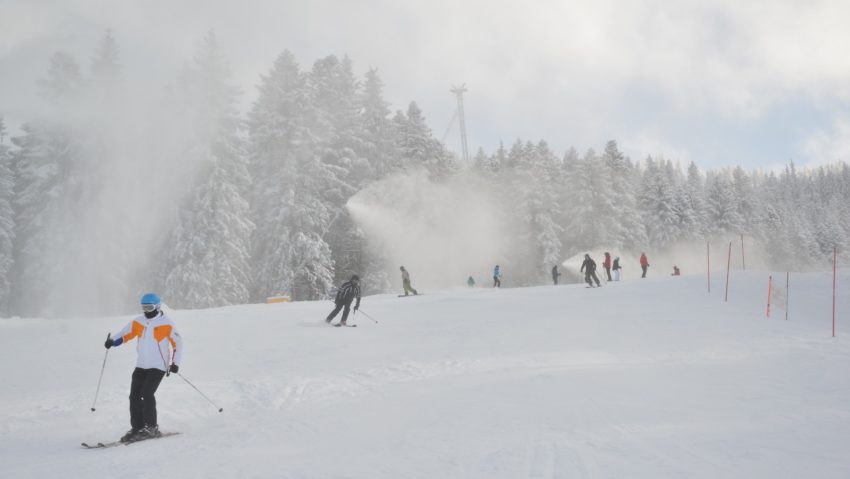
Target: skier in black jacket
589	268
344	297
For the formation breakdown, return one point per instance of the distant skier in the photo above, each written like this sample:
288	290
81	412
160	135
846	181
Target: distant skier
644	263
158	342
616	267
470	282
405	281
497	277
555	274
606	263
345	295
676	271
589	268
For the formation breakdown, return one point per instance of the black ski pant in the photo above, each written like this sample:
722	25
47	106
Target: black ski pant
608	273
497	283
142	400
644	270
591	275
345	307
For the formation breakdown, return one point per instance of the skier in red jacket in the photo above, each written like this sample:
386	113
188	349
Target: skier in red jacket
644	263
606	263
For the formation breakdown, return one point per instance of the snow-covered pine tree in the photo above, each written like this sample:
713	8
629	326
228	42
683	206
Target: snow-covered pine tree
569	198
592	221
63	82
376	129
776	238
695	195
344	164
722	206
208	261
44	157
500	157
658	204
481	162
290	253
276	125
49	189
626	229
106	160
748	206
545	207
418	146
7	221
106	70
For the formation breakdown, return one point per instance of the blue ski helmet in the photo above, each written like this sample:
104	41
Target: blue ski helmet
151	298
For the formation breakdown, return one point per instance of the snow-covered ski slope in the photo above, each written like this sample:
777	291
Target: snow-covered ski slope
651	378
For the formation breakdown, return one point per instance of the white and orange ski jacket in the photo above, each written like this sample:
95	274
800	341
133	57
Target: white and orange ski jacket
159	344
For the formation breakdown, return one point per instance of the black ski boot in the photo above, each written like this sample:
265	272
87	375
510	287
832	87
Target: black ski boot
131	435
148	432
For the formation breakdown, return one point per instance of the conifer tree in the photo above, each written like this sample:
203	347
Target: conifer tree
625	228
50	194
7	221
290	254
695	196
376	128
209	260
722	206
418	147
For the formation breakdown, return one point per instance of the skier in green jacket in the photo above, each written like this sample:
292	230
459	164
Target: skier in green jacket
405	281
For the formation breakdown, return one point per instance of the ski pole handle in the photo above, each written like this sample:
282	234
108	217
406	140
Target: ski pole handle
97	392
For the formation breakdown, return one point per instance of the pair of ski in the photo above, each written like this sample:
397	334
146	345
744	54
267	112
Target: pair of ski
103	445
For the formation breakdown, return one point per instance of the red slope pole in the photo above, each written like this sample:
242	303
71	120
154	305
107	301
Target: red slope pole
728	265
769	287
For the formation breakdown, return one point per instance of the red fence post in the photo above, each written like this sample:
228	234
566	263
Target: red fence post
769	285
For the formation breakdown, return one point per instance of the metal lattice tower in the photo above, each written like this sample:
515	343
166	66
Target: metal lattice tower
459	91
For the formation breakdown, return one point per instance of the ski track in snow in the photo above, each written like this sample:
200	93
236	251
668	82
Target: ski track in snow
532	383
289	394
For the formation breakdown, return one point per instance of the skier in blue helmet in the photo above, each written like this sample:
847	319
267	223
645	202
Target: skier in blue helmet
160	349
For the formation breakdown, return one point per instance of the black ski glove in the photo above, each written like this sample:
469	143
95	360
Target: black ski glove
174	368
109	343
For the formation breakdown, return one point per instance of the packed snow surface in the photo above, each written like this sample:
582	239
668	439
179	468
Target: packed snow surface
654	378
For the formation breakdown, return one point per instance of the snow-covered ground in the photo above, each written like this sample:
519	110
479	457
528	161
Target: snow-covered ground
650	378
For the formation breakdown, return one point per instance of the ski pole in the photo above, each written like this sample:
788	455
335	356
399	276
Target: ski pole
364	314
220	409
97	392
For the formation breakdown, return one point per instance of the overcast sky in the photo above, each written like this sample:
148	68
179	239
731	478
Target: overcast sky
753	83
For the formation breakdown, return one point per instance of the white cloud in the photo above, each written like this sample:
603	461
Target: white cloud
825	147
560	70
